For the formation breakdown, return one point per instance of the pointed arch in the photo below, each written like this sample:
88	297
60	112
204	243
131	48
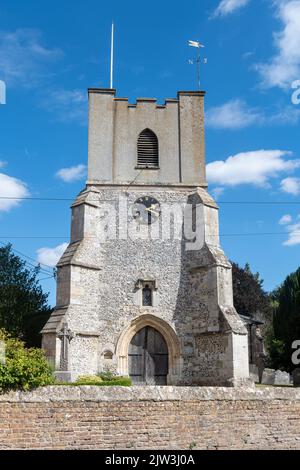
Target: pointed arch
147	149
169	336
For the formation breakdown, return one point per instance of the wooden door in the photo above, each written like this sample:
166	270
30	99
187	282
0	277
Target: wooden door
148	358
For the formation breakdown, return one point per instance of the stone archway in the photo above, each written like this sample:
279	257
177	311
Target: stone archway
169	335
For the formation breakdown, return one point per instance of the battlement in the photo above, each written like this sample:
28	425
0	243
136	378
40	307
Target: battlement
142	100
114	128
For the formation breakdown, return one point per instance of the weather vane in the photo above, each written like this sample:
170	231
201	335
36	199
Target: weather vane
197	61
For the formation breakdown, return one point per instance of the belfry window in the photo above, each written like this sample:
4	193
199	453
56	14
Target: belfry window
147	296
147	149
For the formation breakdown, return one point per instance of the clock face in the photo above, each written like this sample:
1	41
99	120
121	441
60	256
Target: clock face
146	210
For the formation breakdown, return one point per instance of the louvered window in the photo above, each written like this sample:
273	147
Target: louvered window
147	149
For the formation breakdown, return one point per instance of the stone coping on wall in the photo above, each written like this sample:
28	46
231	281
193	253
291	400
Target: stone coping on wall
149	393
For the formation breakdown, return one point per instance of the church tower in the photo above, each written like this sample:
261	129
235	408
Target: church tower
144	288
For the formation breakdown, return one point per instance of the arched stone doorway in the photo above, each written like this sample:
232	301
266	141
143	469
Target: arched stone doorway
169	336
148	358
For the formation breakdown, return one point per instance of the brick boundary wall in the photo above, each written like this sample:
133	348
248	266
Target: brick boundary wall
86	417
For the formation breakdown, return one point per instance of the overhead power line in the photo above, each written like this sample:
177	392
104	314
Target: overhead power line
51	276
37	237
59	199
260	202
42	270
221	235
36	198
29	257
45	278
255	234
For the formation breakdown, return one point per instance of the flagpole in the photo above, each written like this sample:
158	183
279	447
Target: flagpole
112	55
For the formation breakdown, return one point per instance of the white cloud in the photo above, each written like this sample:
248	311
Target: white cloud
293	235
234	114
248	54
67	105
24	61
284	66
285	115
51	256
226	7
217	192
11	188
73	173
293	230
285	219
290	186
23	57
255	168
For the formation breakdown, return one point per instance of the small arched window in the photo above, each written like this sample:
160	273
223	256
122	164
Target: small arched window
147	296
147	149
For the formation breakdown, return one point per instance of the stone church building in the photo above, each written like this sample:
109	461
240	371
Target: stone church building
144	288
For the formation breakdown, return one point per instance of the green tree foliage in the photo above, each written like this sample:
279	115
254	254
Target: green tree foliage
276	352
286	321
23	369
23	305
249	297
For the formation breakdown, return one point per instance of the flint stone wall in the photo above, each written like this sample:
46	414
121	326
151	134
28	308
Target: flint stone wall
98	297
150	418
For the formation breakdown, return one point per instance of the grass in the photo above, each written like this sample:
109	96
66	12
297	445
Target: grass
122	381
117	381
280	386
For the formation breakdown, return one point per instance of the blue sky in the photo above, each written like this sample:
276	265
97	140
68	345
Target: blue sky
52	51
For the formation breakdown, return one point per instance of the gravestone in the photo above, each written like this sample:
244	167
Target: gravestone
296	377
254	373
268	377
282	378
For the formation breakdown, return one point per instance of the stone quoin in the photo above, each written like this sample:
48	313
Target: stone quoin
139	292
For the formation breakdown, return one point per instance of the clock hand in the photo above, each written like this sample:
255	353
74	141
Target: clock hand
150	210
